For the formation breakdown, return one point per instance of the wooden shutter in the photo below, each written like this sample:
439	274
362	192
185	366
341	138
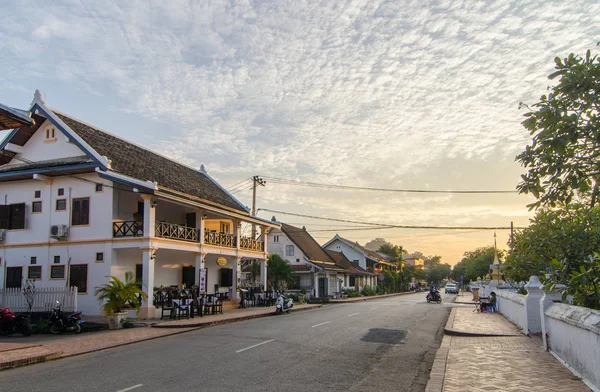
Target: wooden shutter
85	211
4	217
17	216
78	277
80	214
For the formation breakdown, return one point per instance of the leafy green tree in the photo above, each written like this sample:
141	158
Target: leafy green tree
279	272
582	283
569	234
563	160
474	264
431	261
438	272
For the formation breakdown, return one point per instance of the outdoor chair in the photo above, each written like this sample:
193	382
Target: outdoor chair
181	308
166	306
218	308
196	307
209	303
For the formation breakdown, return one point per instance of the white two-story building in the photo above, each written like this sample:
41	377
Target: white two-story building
78	204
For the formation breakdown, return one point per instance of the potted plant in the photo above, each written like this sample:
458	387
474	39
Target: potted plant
301	296
118	295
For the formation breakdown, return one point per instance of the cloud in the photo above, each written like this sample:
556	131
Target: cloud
370	93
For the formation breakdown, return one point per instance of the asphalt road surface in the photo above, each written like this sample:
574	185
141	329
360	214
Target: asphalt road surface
381	345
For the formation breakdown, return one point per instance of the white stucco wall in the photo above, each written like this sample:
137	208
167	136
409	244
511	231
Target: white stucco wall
278	248
38	148
574	337
350	253
512	306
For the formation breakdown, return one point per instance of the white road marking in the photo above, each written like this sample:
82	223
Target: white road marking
353	314
256	345
326	322
130	388
376	307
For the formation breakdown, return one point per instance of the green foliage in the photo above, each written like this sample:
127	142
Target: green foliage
368	291
279	272
42	326
522	290
438	272
583	283
432	261
569	234
351	293
117	294
474	264
254	270
562	160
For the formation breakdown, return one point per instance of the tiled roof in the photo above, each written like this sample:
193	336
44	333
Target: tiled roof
306	243
341	260
137	162
47	163
370	254
300	267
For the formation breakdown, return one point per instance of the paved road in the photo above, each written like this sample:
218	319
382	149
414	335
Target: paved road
379	345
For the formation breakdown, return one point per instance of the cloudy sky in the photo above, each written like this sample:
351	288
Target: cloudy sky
388	94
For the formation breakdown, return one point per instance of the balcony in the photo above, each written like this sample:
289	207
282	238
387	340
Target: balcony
128	229
219	239
176	232
250	244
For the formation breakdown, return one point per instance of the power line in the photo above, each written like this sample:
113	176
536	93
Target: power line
389	226
284	181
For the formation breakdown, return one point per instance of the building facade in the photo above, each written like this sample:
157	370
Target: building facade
81	204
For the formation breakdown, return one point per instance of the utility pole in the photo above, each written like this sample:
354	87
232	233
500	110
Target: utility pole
256	180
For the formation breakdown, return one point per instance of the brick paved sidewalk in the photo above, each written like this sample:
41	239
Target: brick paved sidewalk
15	354
494	357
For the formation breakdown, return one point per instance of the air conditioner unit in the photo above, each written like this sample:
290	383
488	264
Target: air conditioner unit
2	235
59	231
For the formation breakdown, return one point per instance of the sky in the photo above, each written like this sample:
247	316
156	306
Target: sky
388	94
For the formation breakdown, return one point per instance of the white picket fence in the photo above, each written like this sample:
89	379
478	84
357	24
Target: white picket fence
44	299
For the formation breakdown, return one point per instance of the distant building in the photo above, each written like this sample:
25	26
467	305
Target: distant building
417	262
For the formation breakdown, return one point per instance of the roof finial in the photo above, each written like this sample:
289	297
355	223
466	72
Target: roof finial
273	219
202	169
37	98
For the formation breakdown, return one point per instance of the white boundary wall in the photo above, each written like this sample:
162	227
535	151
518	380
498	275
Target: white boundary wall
512	306
573	335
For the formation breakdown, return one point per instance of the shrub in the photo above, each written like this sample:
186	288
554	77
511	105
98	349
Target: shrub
368	291
42	326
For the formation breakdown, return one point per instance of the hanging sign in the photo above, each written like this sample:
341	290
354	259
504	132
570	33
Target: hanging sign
202	285
221	261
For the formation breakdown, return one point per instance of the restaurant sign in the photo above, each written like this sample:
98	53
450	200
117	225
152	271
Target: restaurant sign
221	261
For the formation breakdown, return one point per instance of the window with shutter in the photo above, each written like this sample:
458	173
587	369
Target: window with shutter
80	213
17	216
4	217
78	277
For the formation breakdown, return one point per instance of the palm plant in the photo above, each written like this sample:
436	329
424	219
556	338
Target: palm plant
116	295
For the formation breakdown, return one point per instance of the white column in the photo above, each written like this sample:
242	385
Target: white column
237	230
263	236
147	310
237	279
149	215
316	285
200	225
533	323
263	273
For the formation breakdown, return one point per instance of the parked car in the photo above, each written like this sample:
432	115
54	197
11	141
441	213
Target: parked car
451	288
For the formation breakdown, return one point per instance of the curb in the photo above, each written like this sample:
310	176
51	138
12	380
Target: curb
29	361
353	300
449	330
200	325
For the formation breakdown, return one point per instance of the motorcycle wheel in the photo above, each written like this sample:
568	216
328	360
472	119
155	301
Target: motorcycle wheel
289	311
78	328
26	329
428	300
55	329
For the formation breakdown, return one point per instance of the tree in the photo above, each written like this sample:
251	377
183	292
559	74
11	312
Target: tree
438	272
376	243
474	264
563	160
569	235
431	261
279	272
118	294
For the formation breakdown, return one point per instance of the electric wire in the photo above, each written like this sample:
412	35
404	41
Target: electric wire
284	181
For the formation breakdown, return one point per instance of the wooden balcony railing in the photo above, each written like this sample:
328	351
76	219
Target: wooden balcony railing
176	232
128	229
219	239
250	244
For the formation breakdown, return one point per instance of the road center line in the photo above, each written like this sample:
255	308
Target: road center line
130	388
376	307
256	345
316	325
353	314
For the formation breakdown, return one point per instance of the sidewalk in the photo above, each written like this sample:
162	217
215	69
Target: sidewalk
38	348
486	352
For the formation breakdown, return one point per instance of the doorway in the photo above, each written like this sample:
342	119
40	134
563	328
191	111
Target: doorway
188	276
14	277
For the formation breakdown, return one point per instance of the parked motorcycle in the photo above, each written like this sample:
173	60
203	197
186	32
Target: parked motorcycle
11	323
434	297
283	304
59	322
